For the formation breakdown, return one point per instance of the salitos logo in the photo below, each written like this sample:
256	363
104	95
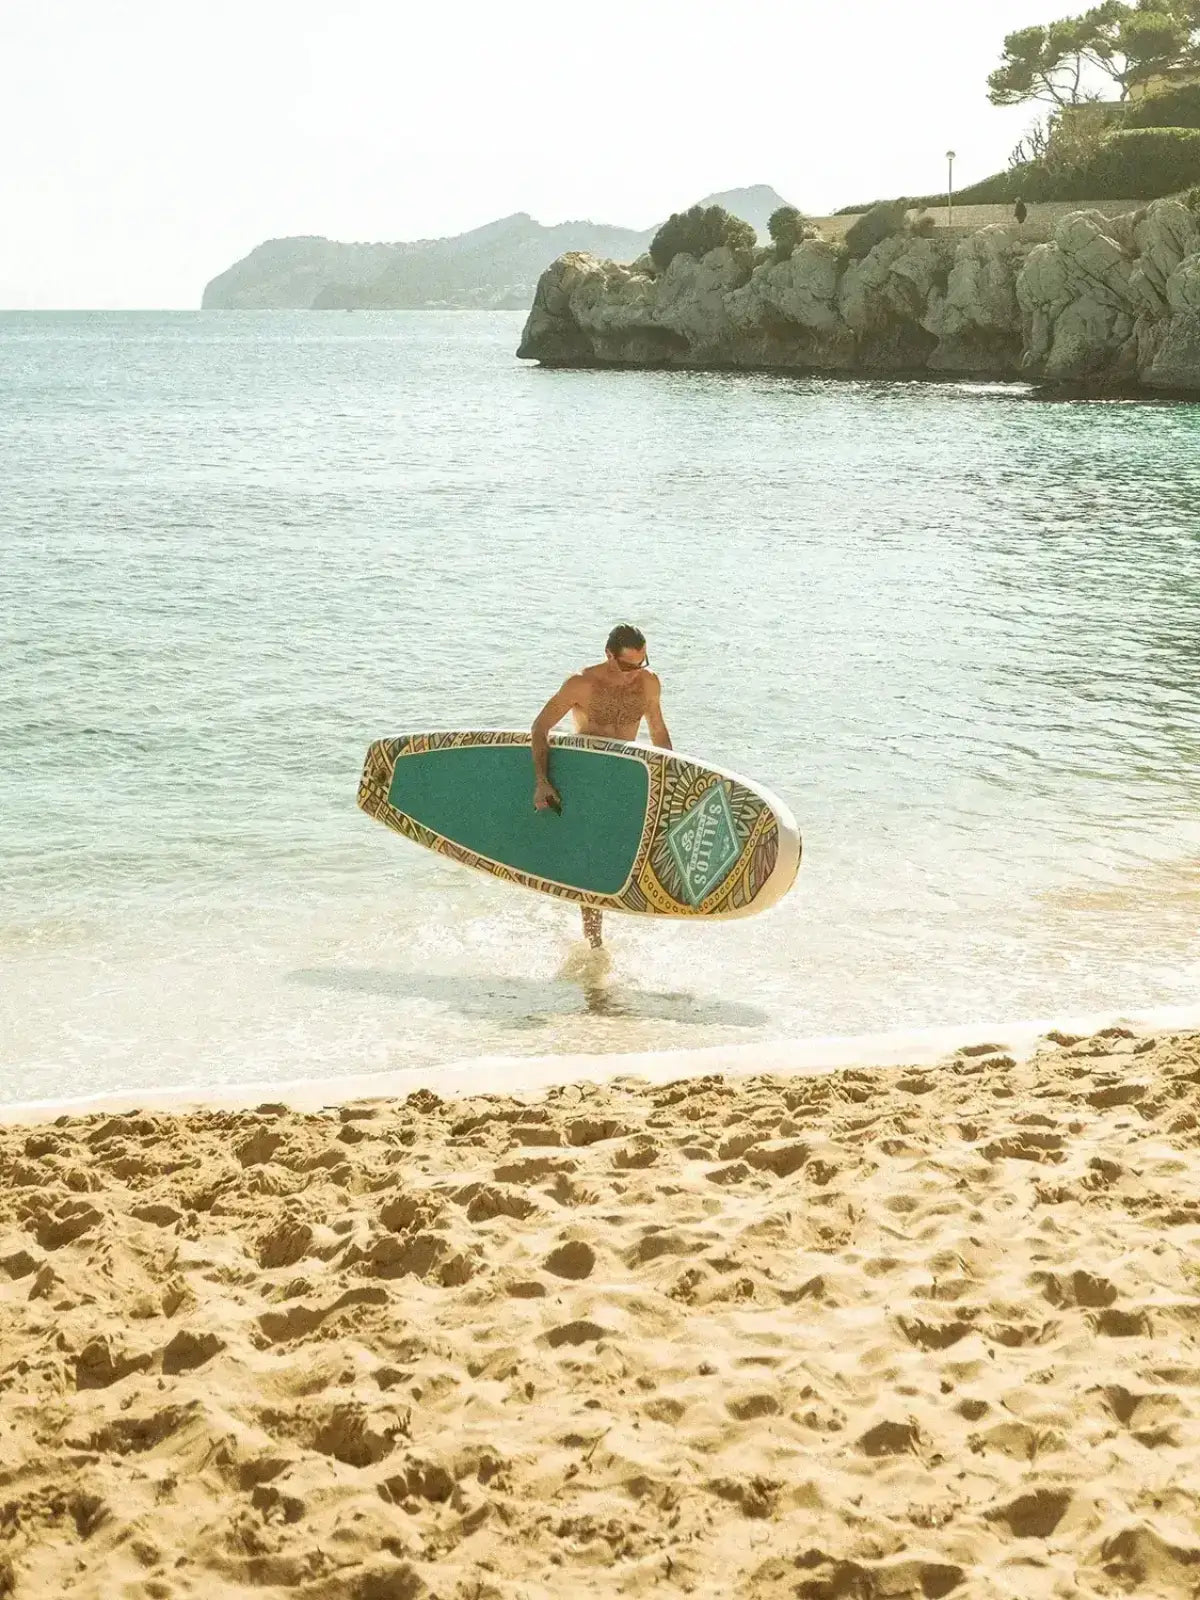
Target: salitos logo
704	844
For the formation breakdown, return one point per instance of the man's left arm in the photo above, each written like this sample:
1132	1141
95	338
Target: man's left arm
654	717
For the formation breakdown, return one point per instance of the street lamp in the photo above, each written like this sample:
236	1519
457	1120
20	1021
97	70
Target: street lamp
949	188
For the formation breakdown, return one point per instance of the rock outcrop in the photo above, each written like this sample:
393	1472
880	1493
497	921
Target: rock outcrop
1107	302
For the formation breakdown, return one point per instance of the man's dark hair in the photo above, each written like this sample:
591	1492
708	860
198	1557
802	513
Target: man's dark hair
625	637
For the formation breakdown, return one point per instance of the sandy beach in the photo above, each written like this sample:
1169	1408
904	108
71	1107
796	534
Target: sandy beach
898	1332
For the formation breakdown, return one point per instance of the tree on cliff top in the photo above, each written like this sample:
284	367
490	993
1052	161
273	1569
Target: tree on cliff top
787	228
1126	44
697	231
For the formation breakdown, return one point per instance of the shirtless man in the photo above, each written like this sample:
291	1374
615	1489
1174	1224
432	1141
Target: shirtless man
608	701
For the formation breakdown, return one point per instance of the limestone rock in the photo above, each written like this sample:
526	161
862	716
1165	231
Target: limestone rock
893	283
978	320
1163	235
1097	263
1108	301
586	311
1183	286
1176	362
1043	294
1077	304
802	290
787	314
691	299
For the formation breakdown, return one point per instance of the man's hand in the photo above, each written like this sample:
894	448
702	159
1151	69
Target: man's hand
545	796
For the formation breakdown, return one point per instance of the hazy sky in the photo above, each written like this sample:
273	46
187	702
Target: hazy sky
147	144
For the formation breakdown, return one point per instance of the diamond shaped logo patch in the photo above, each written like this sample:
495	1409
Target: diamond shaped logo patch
704	844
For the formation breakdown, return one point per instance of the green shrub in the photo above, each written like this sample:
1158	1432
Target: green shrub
1075	139
1138	163
880	223
923	226
787	228
1026	182
1178	107
1000	189
1130	164
697	231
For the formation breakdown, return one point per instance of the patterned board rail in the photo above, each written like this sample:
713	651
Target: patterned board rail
711	846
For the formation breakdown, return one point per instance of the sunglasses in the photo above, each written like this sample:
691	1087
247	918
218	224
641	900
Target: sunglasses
632	666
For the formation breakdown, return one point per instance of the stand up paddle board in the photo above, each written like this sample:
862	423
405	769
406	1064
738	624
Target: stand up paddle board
641	830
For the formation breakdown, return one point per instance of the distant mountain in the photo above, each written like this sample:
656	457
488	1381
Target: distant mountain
753	205
496	266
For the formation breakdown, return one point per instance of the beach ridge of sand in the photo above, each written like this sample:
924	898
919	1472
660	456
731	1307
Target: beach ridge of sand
892	1332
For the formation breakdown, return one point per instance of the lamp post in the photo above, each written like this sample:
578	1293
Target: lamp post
949	188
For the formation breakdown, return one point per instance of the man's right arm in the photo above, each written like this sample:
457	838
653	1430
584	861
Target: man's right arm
552	713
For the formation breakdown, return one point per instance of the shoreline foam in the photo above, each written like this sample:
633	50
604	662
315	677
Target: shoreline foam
532	1074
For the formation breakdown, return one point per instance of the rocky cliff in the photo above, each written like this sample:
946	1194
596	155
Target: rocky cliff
1107	302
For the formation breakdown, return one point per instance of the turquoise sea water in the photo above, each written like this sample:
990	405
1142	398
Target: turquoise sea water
959	630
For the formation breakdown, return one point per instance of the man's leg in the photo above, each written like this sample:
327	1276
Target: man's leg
591	927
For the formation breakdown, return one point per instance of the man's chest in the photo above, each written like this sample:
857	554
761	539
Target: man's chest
615	704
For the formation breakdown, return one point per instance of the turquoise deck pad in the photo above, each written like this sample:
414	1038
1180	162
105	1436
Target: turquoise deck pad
481	797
